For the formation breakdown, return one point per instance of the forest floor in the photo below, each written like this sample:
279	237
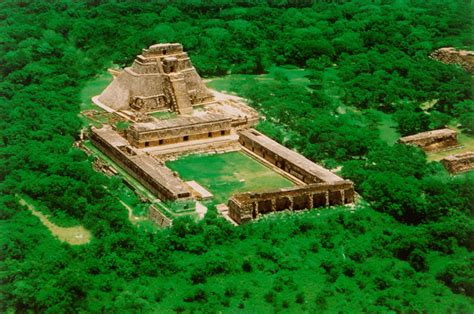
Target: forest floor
73	235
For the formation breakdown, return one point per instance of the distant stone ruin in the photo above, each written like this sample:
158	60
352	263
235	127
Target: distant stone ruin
163	80
450	55
432	140
459	163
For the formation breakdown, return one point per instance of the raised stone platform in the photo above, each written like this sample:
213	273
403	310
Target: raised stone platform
432	140
459	163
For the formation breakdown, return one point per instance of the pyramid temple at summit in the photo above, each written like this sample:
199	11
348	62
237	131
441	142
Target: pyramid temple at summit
161	77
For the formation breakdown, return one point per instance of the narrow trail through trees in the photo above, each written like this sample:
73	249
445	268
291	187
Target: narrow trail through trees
73	235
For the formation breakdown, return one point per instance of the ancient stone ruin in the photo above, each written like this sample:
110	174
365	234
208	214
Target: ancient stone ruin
450	55
459	163
162	79
432	140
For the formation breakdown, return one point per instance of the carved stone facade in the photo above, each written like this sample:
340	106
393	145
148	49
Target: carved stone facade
459	163
161	77
177	130
432	140
158	217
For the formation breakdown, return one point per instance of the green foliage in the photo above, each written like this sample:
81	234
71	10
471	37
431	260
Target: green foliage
362	56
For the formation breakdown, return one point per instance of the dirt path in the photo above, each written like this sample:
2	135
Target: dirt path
72	235
131	216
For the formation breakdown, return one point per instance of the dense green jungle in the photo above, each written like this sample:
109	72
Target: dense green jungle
406	248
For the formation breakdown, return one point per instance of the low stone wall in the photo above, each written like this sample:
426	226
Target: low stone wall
244	207
459	163
148	171
432	140
158	217
285	159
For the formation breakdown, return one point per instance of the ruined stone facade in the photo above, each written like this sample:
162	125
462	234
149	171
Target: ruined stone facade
244	207
459	163
161	78
181	129
450	55
158	217
432	140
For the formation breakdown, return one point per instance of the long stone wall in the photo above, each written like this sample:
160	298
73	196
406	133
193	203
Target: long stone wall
284	158
147	170
181	129
244	207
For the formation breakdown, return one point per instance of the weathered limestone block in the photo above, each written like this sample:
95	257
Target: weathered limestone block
459	162
432	140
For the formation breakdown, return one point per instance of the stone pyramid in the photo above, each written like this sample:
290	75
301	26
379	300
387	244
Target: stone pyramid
161	78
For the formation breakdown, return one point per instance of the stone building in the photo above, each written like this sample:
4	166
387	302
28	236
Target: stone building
318	186
284	158
459	163
176	130
450	55
244	207
432	140
143	167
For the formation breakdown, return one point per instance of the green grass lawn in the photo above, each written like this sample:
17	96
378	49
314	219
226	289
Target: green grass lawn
466	142
93	88
163	115
388	129
231	83
229	173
